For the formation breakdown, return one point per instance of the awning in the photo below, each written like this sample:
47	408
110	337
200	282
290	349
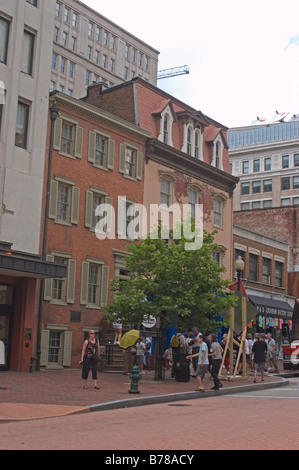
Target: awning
12	265
272	307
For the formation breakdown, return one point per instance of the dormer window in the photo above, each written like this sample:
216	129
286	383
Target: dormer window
192	141
217	154
167	117
166	129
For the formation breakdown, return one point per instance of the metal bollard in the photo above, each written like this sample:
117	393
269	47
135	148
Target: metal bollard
135	377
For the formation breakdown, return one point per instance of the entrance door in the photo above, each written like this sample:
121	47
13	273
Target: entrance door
6	309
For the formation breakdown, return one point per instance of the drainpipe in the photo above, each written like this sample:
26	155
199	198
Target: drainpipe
54	113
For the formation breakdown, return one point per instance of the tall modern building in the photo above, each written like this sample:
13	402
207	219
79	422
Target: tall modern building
265	157
88	48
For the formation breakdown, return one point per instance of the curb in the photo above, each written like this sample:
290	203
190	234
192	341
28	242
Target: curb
156	399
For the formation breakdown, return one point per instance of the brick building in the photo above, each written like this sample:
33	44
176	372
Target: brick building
85	173
265	276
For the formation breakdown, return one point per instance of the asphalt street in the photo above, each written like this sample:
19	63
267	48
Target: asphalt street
252	420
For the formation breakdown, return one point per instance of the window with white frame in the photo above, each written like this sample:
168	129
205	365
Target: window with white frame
192	200
96	198
101	150
21	135
56	347
218	154
165	192
166	122
218	209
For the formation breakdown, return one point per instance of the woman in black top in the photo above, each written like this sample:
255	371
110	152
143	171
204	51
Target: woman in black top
90	350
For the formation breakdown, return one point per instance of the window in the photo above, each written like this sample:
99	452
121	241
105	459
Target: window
75	20
94	198
97	57
217	155
105	38
267	203
87	78
68	137
285	183
56	347
64	39
126	73
256	205
196	144
140	60
134	53
94	283
217	205
245	206
112	61
296	159
285	161
278	273
71	70
22	125
267	164
266	270
54	61
295	182
253	267
146	63
286	201
256	187
101	150
127	48
27	53
192	200
56	33
256	166
4	34
245	167
57	14
90	30
32	2
66	15
130	161
98	34
245	188
61	290
104	62
62	65
89	52
296	201
64	201
189	141
165	193
267	186
73	43
112	42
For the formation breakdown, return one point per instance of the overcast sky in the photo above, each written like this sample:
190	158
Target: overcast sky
243	56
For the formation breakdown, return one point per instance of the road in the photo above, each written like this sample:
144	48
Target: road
268	419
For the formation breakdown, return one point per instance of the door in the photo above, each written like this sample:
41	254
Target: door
6	310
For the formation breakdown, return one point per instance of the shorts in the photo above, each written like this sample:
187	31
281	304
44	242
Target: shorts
259	366
201	370
139	359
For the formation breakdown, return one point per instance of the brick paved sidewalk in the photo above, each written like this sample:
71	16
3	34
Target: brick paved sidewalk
55	393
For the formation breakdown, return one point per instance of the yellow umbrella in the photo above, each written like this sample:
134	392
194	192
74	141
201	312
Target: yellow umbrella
129	339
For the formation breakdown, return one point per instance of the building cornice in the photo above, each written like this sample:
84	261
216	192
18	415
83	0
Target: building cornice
172	158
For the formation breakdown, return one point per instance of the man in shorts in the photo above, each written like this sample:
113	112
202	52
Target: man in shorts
259	351
203	363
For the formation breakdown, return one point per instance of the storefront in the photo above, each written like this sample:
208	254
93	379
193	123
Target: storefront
272	314
20	276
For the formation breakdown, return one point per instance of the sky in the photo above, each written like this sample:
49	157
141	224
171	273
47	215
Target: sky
243	56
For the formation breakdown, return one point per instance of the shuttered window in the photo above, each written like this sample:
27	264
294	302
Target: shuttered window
64	201
61	290
94	283
68	138
130	162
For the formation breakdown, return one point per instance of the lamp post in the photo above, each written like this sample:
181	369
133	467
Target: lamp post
239	266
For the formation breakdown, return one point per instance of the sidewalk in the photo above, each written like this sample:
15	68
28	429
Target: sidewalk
46	393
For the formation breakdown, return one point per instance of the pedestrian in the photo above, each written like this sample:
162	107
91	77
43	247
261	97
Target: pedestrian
271	354
89	358
259	351
223	345
178	345
167	356
216	355
117	326
249	345
128	361
203	363
147	352
207	340
140	348
195	347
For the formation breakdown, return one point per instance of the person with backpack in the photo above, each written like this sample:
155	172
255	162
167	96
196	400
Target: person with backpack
178	346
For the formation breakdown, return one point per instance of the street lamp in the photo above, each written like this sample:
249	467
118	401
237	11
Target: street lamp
239	266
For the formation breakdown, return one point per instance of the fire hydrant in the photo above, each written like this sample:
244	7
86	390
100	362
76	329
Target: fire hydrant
135	377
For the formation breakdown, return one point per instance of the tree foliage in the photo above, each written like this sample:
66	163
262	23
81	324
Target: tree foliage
183	287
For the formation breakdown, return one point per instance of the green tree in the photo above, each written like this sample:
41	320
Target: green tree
185	286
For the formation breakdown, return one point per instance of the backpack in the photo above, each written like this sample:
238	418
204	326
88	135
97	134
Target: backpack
175	342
